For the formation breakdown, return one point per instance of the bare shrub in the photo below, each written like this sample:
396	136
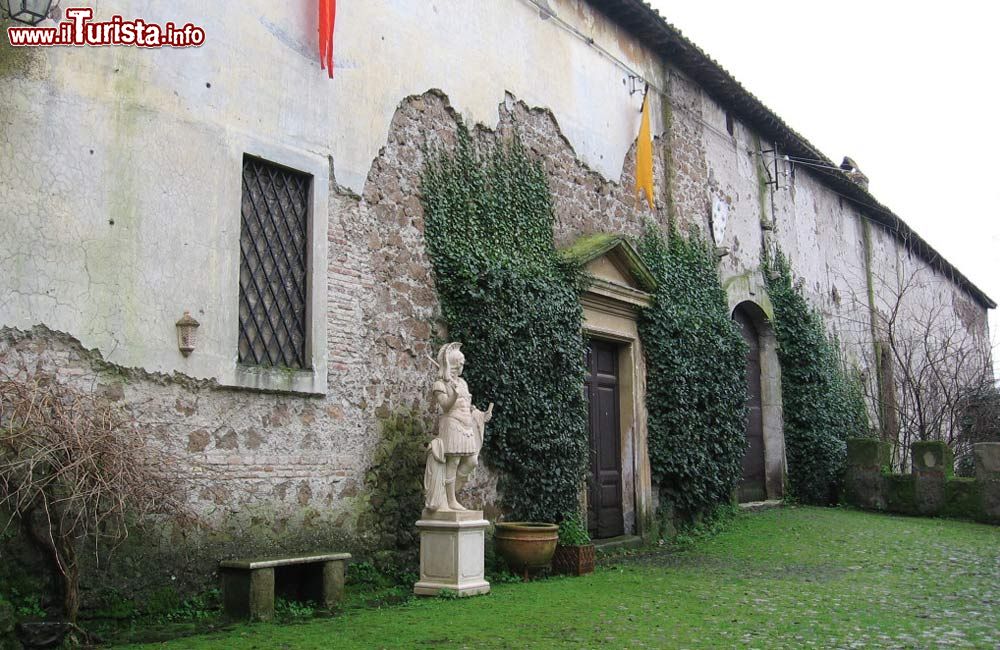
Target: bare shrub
980	423
76	468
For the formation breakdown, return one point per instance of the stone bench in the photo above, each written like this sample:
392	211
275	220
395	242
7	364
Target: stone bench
249	586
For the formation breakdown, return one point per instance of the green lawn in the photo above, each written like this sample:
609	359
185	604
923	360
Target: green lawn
788	578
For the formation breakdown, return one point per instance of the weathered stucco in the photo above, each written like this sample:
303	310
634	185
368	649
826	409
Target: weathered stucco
125	158
120	186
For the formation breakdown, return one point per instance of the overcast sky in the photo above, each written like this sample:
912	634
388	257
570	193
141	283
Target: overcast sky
907	89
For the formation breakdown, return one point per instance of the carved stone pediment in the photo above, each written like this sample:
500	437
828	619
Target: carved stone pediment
615	270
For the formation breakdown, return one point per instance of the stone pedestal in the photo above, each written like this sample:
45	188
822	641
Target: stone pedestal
452	553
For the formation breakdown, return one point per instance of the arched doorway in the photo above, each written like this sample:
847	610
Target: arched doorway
753	485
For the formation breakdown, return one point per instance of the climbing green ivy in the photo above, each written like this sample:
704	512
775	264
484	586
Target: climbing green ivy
513	303
394	481
696	391
823	403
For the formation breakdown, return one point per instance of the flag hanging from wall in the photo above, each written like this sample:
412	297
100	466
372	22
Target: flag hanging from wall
327	19
644	156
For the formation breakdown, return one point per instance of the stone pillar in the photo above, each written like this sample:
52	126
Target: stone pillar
452	553
933	465
987	455
864	485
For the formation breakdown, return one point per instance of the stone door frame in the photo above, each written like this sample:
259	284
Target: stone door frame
749	291
619	286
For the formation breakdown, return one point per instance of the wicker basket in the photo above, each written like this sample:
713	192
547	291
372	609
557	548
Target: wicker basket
573	560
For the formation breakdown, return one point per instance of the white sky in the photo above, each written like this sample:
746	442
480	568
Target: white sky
909	90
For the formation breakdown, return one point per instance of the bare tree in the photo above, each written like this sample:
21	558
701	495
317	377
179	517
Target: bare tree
929	363
980	423
75	467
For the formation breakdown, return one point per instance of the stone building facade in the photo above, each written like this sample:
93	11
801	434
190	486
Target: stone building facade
121	193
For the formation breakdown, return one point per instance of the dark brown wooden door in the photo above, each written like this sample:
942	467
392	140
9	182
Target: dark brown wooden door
752	487
605	516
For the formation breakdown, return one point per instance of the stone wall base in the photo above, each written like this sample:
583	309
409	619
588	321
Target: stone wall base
930	489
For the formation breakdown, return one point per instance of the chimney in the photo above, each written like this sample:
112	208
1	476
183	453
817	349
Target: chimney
853	172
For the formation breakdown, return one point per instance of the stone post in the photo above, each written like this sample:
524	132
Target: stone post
933	465
864	486
987	455
333	584
249	594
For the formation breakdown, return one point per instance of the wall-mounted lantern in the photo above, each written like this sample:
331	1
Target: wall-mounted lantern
29	12
187	329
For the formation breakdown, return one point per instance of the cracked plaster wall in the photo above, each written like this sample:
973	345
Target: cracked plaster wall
119	177
821	233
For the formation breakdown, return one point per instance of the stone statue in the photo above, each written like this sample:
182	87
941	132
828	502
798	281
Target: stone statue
454	453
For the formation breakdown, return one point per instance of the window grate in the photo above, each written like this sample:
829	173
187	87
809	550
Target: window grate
273	265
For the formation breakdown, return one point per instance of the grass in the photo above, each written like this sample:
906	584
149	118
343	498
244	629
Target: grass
788	578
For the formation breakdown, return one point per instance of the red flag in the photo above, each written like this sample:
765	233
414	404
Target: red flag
327	19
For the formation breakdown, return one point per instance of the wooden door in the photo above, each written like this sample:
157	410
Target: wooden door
752	487
605	515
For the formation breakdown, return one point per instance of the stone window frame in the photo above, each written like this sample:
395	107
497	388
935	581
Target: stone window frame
311	381
274	310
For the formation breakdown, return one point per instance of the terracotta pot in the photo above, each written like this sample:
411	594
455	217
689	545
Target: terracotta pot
526	545
573	560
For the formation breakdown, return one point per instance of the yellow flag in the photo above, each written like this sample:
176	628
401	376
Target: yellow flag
644	157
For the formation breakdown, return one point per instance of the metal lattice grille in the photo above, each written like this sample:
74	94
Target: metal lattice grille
273	265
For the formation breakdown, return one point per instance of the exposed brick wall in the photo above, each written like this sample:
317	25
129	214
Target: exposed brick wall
286	461
584	202
283	464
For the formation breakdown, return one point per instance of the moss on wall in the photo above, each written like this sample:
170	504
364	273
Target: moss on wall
762	180
962	499
901	493
395	489
18	61
931	490
7	622
868	453
668	156
882	385
933	456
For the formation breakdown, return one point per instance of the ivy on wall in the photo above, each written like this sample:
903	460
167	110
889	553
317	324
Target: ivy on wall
696	394
395	482
823	404
513	303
